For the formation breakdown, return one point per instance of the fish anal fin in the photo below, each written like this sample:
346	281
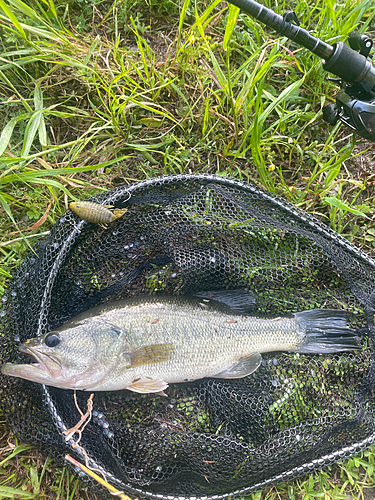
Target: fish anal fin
148	386
243	367
150	354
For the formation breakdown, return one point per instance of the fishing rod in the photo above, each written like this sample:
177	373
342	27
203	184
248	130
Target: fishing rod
355	101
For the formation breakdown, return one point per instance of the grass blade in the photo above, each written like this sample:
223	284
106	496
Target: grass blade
231	23
181	22
32	175
6	134
15	452
8	492
12	18
8	211
30	132
335	202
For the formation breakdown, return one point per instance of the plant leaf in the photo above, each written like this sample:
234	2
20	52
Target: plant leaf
30	132
6	134
8	492
12	18
182	18
231	23
31	175
335	202
16	451
7	209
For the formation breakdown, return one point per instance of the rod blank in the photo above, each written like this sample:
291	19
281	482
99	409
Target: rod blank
288	29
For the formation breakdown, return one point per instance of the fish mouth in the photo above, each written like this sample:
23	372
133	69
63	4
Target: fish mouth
44	362
29	355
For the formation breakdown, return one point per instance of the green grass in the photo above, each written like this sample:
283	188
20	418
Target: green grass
26	474
99	93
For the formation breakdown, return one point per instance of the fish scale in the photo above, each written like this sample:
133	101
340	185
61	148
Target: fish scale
214	343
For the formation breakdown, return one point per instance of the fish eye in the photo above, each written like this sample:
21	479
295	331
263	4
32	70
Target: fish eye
52	340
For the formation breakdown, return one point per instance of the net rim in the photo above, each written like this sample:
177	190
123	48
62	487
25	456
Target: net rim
115	194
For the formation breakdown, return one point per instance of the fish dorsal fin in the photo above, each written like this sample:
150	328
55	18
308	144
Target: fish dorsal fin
150	354
240	301
146	386
242	368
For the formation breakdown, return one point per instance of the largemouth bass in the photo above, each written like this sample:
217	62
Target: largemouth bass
146	342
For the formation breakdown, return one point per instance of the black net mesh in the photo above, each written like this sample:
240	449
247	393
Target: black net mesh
184	234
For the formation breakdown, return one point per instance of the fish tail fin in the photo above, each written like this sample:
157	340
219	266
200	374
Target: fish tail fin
326	331
119	212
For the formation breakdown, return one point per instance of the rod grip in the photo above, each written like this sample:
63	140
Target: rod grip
351	66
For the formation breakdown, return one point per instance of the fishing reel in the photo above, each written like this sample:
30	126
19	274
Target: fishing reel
355	101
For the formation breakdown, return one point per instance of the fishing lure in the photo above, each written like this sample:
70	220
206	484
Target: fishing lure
96	213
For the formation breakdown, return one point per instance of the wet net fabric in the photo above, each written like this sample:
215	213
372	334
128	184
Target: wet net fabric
209	438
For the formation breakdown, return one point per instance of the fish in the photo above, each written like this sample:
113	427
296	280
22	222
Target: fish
147	342
96	213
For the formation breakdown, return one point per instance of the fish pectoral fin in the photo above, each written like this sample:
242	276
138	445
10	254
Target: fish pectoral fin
148	386
242	368
150	354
